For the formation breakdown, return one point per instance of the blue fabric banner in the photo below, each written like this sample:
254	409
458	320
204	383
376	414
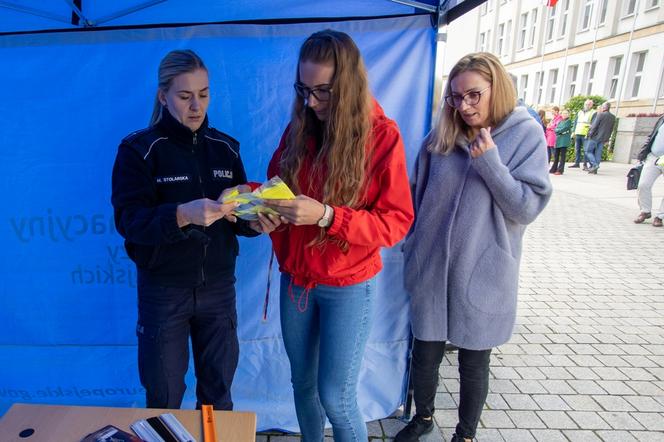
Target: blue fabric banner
68	299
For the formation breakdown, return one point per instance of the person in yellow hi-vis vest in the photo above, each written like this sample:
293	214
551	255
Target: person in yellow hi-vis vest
581	126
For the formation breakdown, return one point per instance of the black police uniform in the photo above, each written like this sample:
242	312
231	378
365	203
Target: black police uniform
186	275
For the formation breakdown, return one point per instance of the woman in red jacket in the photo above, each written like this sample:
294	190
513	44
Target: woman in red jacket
345	160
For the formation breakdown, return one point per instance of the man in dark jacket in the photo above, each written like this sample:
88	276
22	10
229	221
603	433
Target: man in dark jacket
599	133
652	154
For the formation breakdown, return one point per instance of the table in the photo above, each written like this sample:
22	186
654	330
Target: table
63	423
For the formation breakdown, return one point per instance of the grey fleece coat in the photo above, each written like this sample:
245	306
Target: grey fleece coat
462	254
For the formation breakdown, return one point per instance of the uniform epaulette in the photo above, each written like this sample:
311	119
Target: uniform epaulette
142	140
215	133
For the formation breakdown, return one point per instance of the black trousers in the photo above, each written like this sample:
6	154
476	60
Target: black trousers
473	377
167	317
559	160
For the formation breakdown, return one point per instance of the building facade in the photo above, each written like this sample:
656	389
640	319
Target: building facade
612	48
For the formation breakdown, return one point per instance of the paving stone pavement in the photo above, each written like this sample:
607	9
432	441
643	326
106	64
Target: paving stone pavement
586	361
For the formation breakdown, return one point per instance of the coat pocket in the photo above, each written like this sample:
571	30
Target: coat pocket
493	285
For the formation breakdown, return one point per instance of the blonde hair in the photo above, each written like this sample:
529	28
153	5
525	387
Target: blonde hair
173	64
450	126
347	130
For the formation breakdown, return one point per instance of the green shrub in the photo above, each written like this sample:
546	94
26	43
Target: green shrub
574	105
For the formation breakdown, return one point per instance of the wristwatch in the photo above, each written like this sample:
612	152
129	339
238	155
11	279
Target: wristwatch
326	219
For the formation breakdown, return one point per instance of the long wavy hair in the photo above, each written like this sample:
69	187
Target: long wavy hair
173	64
450	126
342	157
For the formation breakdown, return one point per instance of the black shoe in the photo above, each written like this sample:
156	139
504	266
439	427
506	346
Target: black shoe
415	428
573	166
456	438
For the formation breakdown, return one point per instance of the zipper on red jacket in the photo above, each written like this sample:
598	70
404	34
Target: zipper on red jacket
200	183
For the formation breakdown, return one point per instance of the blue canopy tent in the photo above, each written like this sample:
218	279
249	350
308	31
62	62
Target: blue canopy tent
80	75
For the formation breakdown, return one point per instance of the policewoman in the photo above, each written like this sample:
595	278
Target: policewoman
167	180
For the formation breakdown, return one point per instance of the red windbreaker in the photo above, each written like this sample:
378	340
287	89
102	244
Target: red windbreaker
382	222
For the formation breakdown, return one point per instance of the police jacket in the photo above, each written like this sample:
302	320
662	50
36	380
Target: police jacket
155	170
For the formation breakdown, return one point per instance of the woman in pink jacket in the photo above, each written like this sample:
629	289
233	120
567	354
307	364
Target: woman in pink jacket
550	132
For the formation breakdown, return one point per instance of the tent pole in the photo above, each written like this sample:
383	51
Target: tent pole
78	12
417	5
127	11
36	12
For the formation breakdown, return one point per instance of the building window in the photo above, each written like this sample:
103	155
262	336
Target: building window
652	4
501	39
589	76
603	6
539	85
553	85
550	23
572	73
586	15
481	42
661	85
508	39
636	70
524	87
523	30
533	27
629	7
483	9
614	76
563	17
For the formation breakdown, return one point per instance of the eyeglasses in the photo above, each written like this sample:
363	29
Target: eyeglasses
471	98
321	93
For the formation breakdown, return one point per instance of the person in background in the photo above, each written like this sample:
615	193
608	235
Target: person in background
543	120
346	162
550	131
581	127
480	178
167	183
599	133
563	140
652	154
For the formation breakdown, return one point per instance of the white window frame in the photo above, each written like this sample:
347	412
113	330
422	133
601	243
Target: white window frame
552	85
651	4
523	31
613	80
564	16
636	73
603	8
586	15
572	76
533	28
627	4
508	39
551	23
481	42
523	84
500	39
539	87
589	76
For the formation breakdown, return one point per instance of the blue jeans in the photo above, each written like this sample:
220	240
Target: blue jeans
578	145
325	344
594	152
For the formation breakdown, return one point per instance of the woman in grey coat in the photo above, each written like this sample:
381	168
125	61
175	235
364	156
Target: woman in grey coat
481	177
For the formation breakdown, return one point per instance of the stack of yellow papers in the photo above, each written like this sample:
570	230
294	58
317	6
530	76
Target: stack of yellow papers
251	203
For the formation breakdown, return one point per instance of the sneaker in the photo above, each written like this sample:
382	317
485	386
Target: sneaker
657	222
593	170
573	166
557	173
585	168
415	428
642	217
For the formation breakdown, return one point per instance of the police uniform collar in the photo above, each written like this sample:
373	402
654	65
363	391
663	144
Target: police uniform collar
178	131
